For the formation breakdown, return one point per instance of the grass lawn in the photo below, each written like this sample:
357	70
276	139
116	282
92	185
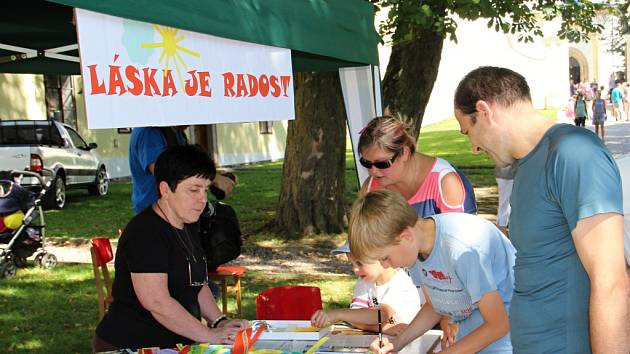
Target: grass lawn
56	312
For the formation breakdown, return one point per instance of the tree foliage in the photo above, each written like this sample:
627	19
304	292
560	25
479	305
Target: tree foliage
413	22
618	14
519	17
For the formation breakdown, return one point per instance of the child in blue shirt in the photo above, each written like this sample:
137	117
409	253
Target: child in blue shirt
466	267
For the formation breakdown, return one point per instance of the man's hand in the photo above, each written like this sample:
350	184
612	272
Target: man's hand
225	184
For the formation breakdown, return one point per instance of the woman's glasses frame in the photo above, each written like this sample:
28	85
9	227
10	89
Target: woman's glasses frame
381	165
197	283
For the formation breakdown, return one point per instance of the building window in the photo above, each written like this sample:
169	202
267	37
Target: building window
265	127
60	105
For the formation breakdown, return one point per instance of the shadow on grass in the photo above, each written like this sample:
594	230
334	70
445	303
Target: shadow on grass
55	311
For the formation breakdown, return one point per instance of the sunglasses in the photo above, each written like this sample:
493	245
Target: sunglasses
381	165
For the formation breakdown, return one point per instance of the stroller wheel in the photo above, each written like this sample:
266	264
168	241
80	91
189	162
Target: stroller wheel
20	262
38	258
48	261
7	270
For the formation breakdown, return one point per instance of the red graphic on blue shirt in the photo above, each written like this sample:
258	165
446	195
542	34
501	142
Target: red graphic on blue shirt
439	275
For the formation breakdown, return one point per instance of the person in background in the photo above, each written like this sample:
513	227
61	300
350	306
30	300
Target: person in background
626	99
505	180
616	97
145	145
385	289
159	292
467	269
571	107
599	115
571	290
580	111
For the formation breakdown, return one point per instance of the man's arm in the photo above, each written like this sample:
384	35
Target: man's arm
599	243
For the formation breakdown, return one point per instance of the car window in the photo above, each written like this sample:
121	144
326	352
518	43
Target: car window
76	139
29	133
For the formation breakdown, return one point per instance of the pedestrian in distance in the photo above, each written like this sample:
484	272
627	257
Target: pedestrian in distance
581	114
599	115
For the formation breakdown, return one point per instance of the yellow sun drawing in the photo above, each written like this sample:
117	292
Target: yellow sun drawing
171	49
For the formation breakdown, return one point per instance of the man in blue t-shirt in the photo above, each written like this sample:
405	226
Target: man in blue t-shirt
145	146
571	288
616	97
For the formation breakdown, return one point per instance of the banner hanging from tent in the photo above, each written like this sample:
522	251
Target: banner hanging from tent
141	74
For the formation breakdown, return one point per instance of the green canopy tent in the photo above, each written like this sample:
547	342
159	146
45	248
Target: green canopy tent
322	34
39	36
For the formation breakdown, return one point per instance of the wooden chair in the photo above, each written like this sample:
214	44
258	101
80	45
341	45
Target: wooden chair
102	254
288	303
223	275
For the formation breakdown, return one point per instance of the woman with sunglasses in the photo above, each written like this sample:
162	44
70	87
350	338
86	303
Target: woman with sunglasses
431	185
160	293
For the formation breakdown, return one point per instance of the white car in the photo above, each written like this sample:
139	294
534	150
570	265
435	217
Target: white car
38	145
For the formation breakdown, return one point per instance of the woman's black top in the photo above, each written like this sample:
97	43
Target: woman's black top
151	245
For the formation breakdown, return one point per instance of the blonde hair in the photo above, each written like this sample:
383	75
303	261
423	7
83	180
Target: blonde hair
376	221
388	133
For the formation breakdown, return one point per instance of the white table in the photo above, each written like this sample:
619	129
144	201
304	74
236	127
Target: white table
420	345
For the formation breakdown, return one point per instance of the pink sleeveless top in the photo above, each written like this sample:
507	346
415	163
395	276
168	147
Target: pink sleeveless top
429	200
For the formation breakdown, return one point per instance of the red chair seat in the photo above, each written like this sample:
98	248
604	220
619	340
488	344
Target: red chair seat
288	303
235	270
222	274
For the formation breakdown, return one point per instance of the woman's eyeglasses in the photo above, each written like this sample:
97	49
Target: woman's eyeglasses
200	274
381	165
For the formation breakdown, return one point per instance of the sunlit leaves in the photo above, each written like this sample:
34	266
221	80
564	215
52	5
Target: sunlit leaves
407	18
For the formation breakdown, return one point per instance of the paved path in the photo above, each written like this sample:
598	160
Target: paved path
617	135
318	261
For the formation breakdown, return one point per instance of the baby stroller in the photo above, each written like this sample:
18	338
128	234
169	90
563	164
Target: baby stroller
22	226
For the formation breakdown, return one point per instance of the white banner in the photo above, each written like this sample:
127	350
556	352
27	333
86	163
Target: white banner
140	74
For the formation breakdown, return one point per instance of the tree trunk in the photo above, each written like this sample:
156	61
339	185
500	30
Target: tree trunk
411	72
312	193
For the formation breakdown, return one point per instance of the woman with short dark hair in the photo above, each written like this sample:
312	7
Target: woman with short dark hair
159	291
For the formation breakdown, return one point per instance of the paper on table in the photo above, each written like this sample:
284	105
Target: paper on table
292	330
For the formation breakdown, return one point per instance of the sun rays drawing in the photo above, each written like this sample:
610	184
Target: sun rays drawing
171	49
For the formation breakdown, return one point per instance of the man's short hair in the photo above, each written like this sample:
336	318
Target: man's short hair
492	84
376	221
177	163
